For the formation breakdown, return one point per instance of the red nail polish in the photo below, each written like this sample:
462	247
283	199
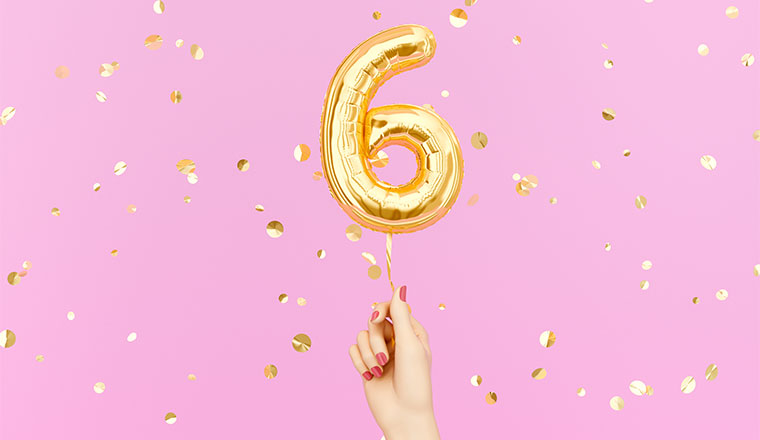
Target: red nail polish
375	314
377	371
367	375
402	293
382	359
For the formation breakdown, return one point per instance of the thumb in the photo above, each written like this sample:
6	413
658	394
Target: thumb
402	323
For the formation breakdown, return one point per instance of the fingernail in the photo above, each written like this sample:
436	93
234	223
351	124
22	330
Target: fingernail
375	314
377	371
367	375
402	293
382	359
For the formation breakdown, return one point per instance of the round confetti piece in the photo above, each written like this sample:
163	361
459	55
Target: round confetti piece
703	50
175	96
302	152
608	114
479	140
14	278
458	18
283	298
187	199
55	212
62	72
7	338
374	272
7	114
369	257
96	187
538	373
441	306
153	42
644	285
353	232
626	153
607	246
476	380
301	343
517	40
270	371
120	168
70	316
596	164
170	418
473	200
617	403
581	392
192	377
192	178
132	337
376	15
638	388
445	93
553	201
748	59
131	209
695	300
99	387
732	12
114	252
301	301
180	42
688	385
711	372
608	64
39	358
259	208
196	52
317	175
275	229
721	294
470	2
186	166
159	7
547	338
491	398
646	264
243	165
708	162
641	202
756	270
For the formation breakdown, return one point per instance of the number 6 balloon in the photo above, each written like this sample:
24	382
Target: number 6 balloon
351	133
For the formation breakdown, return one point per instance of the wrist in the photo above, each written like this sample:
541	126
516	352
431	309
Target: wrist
418	427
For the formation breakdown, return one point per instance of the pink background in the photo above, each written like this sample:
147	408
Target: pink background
199	282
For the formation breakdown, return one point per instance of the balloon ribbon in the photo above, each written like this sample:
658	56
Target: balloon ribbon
388	247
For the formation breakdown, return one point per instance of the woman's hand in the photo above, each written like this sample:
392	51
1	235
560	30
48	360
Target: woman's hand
394	361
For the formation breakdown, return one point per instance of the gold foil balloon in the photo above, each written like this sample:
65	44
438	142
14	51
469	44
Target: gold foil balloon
352	134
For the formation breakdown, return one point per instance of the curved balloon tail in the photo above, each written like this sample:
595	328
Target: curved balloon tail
388	247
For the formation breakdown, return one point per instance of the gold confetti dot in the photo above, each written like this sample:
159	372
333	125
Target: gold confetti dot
649	391
316	175
376	15
688	385
491	398
648	1
617	403
732	12
638	388
596	164
703	50
114	252
7	338
243	165
712	372
14	278
70	316
529	182
374	272
99	387
175	96
301	343
170	418
607	246
270	371
608	64
301	152
476	380
131	209
159	7
186	166
458	18
179	43
321	254
283	298
479	140
756	270
7	114
641	202
581	392
748	59
187	199
516	40
191	376
379	160
721	294
521	190
445	93
538	373
608	114
275	229
259	208
626	153
301	301
26	265
441	306
39	358
756	135
23	273
120	168
473	200
62	72
192	178
96	187
604	45
646	264
56	212
369	257
353	232
153	42
105	70
516	177
644	285
553	200
470	2
708	162
196	52
132	337
695	300
547	338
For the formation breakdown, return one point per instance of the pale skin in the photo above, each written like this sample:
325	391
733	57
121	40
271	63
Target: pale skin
393	360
